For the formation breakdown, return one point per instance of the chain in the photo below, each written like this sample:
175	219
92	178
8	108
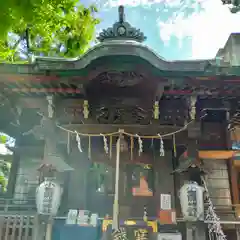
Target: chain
214	228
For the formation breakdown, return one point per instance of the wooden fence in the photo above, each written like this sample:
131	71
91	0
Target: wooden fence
16	227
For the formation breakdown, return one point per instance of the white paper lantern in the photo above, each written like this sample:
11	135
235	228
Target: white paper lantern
192	203
48	197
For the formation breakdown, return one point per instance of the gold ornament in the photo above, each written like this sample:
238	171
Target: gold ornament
156	110
85	109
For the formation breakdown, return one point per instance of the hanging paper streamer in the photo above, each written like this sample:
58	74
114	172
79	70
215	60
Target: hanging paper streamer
145	214
50	106
174	146
68	143
111	143
89	148
193	100
78	139
162	152
152	144
105	143
140	145
131	146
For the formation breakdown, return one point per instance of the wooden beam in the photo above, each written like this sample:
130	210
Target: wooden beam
13	175
33	103
146	130
30	151
234	185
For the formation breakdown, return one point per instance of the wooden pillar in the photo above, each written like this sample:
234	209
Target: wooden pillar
176	180
38	229
77	185
14	168
13	174
238	233
196	231
47	129
234	191
189	232
64	203
234	185
200	232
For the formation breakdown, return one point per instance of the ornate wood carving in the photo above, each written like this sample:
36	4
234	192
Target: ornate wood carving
70	111
121	112
203	88
213	136
173	110
122	115
119	79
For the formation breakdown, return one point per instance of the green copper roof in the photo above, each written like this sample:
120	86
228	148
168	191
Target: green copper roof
120	55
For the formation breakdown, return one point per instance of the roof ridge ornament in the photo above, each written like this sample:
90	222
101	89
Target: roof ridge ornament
121	14
121	30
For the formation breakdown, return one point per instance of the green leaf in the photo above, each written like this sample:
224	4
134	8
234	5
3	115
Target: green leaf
3	139
50	27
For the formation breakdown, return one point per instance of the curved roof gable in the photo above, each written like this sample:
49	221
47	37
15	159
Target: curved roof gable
120	39
116	48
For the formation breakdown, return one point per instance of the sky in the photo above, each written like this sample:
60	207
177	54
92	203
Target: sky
4	150
9	141
175	29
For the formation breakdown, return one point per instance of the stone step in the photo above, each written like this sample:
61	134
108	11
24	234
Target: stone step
217	182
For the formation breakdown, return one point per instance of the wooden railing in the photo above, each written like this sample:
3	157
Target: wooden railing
16	227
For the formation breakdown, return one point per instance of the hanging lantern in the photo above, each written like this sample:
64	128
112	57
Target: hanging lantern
192	203
48	197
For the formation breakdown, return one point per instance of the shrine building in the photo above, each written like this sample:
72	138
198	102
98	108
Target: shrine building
177	121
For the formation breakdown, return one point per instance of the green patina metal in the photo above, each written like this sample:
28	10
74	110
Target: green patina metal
123	63
115	63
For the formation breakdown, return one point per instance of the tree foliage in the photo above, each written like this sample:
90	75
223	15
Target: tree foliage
45	27
5	168
3	139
